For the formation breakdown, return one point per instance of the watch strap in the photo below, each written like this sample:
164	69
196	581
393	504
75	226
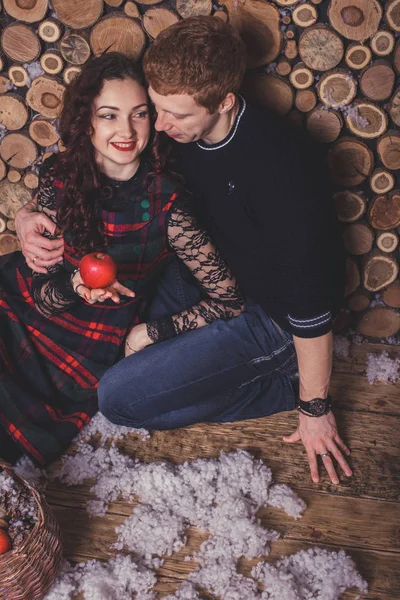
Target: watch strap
317	407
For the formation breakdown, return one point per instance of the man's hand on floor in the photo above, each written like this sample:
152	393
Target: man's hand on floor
320	436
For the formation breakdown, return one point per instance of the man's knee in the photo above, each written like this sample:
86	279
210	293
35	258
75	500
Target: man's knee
116	401
108	397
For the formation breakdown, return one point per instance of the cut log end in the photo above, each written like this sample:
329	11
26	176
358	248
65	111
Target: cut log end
384	212
305	15
337	88
49	31
20	43
391	296
358	239
118	33
321	49
388	148
392	14
324	125
8	243
75	49
379	271
13	112
379	323
306	100
51	63
193	8
350	162
382	43
349	206
354	19
301	77
73	15
382	181
18	150
377	81
18	75
387	241
366	120
358	56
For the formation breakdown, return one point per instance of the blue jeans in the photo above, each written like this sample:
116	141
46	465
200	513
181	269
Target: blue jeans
225	371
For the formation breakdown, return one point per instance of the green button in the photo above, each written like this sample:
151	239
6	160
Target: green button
137	249
145	216
145	203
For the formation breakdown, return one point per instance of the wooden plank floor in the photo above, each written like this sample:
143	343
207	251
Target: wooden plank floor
361	514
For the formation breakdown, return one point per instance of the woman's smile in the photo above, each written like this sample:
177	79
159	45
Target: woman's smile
124	146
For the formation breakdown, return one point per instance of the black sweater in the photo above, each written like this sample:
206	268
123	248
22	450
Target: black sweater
264	196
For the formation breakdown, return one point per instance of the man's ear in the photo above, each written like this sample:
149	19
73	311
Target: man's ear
227	103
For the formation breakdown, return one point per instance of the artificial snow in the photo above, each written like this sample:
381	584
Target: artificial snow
380	367
221	497
341	346
107	430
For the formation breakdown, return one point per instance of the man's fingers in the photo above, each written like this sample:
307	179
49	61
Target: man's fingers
36	268
342	445
312	461
38	242
328	464
341	461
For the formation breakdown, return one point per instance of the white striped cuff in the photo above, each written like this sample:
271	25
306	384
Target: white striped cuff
310	323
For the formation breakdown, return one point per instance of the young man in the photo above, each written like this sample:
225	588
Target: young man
272	218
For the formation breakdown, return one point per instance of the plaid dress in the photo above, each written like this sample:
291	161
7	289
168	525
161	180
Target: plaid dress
50	366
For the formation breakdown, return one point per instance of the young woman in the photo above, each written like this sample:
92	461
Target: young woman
105	192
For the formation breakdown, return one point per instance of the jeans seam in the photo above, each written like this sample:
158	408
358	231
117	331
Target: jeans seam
273	354
193	382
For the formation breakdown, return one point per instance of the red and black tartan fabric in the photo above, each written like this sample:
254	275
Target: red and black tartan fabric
50	367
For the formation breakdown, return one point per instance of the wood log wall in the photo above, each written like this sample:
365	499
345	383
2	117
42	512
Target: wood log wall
330	66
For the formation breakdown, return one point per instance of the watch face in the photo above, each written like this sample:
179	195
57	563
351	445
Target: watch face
318	407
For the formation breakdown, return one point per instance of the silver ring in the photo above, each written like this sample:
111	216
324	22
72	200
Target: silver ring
325	454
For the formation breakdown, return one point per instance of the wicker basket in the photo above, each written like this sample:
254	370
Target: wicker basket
27	572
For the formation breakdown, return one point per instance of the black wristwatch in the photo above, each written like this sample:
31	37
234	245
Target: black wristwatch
316	407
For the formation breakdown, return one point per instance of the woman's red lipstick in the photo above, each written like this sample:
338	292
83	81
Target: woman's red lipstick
124	147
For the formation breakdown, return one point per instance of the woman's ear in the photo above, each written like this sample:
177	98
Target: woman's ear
227	103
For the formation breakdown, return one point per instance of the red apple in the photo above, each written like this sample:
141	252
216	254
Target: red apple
98	270
5	542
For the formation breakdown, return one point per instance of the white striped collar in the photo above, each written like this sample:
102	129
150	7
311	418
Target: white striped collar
232	132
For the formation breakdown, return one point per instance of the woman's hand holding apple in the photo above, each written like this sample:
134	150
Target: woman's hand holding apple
95	281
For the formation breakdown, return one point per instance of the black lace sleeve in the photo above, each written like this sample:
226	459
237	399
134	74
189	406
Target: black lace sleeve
194	247
52	291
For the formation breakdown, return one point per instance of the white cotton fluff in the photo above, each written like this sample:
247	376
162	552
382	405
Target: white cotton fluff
186	592
341	346
30	472
118	579
34	70
380	367
135	533
221	497
222	579
282	496
107	430
313	573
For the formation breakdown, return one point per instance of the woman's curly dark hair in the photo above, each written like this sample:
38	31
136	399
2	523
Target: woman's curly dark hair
79	213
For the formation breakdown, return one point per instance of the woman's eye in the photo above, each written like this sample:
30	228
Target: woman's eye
142	115
108	117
